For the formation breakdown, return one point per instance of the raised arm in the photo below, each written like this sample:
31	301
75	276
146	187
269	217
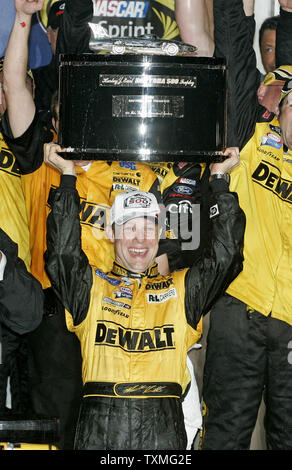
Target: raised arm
234	41
222	259
66	264
195	21
284	34
74	32
19	99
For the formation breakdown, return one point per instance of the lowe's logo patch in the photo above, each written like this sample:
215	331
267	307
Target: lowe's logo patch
163	297
273	140
124	292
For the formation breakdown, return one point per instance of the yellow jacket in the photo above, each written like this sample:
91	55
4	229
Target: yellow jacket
12	207
263	182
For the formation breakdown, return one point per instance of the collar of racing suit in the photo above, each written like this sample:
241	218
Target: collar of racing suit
119	270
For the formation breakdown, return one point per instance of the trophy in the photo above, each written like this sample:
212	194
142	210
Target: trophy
144	99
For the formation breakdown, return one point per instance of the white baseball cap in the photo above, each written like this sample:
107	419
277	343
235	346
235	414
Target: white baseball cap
133	204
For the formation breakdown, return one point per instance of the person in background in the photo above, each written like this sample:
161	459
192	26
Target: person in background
67	32
13	221
267	42
56	371
251	324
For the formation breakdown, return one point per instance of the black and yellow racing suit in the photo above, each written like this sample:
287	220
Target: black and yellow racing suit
135	329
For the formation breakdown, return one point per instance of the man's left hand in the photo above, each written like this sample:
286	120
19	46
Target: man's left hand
228	164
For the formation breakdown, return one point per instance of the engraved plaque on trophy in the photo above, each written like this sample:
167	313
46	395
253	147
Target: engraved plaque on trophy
142	107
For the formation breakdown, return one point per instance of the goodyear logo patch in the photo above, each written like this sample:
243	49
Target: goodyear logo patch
121	8
162	297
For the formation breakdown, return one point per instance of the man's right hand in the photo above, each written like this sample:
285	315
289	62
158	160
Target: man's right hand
53	159
28	7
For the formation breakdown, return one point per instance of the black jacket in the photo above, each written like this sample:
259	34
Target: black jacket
21	295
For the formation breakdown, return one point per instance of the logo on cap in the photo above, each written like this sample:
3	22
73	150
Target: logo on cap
137	201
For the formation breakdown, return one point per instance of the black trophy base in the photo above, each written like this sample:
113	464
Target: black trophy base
142	107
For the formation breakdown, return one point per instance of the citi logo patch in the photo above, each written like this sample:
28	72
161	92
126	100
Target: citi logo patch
163	297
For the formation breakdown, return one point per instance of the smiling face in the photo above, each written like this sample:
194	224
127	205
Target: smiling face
136	243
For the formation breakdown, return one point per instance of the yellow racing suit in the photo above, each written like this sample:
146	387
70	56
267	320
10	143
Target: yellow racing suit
135	328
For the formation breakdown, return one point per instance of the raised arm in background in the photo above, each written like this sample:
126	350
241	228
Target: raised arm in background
195	21
284	34
233	40
20	103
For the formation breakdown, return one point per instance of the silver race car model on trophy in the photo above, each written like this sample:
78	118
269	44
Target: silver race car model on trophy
146	44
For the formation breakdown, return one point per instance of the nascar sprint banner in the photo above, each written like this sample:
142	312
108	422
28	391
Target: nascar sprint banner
132	18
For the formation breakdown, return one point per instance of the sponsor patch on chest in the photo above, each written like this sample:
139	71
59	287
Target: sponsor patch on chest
273	140
160	297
